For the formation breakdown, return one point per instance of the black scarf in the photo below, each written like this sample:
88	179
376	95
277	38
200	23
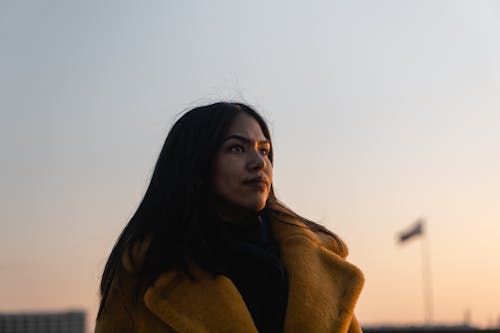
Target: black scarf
246	252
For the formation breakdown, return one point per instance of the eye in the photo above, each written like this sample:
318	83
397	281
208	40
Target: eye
236	149
264	151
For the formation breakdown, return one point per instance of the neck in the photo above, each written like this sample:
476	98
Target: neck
230	216
227	213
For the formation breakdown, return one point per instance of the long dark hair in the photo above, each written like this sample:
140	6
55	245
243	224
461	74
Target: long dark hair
169	213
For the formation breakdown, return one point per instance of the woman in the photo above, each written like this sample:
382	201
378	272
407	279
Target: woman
211	249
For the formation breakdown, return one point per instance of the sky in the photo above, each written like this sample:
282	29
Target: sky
382	112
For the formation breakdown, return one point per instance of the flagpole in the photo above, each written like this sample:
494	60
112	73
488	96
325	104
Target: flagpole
418	228
426	278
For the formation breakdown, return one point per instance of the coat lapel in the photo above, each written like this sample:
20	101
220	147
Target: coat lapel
205	304
323	287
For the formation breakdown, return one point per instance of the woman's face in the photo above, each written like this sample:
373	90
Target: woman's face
241	172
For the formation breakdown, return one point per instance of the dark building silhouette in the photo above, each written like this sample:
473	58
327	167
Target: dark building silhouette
56	322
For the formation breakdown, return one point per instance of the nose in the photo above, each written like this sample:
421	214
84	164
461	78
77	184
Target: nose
256	161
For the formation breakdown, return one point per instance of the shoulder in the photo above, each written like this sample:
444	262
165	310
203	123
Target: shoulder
286	227
333	243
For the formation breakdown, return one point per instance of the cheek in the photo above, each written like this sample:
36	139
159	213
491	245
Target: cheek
224	177
269	172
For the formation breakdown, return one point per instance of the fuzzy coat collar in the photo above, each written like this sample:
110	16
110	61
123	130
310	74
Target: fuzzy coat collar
323	289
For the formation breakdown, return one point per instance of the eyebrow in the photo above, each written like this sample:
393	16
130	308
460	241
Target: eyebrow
247	140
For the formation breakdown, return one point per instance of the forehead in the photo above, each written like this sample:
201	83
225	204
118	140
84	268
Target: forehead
245	125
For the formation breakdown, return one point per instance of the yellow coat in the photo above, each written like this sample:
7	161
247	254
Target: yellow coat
323	290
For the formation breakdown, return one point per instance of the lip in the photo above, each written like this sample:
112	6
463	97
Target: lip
258	181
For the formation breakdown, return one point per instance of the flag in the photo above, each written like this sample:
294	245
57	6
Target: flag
416	229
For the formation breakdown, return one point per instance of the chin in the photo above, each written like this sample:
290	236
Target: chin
259	206
254	207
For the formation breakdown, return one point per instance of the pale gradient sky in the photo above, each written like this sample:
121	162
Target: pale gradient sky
381	112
